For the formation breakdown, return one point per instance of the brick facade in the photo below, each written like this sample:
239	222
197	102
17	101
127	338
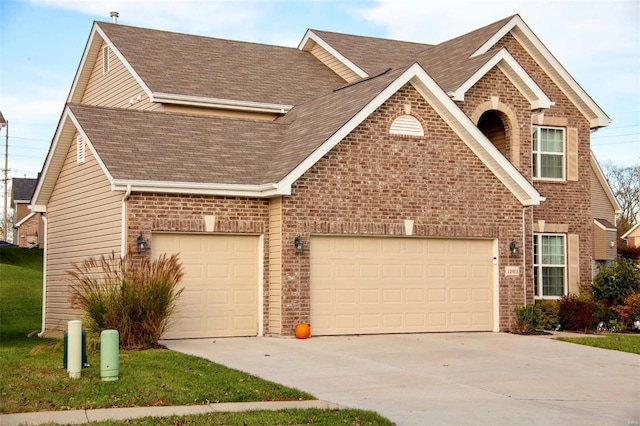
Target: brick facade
371	181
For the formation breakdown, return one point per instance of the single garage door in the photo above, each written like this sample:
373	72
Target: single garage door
220	297
366	285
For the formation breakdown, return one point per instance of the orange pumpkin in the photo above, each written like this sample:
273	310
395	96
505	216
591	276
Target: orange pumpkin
303	330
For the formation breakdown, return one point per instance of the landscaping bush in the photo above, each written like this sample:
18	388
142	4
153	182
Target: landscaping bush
632	252
135	297
577	313
629	312
549	314
617	281
528	319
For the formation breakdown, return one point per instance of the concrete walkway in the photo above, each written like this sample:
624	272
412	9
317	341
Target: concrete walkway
446	378
74	417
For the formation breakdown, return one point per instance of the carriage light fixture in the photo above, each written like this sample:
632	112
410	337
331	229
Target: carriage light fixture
297	242
514	250
141	244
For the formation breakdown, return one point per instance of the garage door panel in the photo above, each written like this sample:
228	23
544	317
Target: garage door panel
221	279
400	285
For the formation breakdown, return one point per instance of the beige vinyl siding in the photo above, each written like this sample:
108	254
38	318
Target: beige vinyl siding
599	243
572	154
275	266
573	263
336	66
84	219
185	109
116	88
601	207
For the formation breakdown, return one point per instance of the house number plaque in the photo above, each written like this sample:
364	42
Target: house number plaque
511	270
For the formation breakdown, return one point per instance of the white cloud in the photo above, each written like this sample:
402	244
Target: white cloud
187	16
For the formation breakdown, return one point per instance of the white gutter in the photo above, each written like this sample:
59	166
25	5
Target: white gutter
44	275
200	101
123	232
223	189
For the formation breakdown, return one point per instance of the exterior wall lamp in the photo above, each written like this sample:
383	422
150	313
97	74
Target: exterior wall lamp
297	242
141	243
514	250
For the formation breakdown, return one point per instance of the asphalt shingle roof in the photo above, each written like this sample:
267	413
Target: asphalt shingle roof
223	69
157	146
23	188
169	147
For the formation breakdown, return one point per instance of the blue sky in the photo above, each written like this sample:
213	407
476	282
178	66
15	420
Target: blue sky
42	41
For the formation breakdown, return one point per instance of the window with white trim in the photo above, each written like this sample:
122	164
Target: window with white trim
548	152
80	149
549	265
105	59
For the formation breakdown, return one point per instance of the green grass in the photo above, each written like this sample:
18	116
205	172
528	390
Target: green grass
313	416
32	377
614	341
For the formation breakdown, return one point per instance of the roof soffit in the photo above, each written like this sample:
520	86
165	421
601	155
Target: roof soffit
558	74
630	231
310	38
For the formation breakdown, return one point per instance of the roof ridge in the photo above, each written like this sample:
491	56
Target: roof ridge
198	36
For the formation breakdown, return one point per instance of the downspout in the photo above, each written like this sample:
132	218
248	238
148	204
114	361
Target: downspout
123	231
524	253
44	273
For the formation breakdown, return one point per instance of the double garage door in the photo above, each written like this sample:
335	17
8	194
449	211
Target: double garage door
359	285
362	285
221	280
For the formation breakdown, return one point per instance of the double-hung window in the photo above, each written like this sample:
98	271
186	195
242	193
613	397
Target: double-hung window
549	265
548	152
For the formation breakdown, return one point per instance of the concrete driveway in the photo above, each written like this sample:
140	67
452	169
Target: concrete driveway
446	379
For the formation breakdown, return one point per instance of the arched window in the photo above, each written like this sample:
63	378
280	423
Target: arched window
406	125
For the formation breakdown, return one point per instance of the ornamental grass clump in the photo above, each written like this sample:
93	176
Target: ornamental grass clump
135	297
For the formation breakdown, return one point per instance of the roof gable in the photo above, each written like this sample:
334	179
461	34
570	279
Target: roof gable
602	180
631	231
558	74
515	73
390	83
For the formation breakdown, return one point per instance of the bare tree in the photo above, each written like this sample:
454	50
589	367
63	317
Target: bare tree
624	183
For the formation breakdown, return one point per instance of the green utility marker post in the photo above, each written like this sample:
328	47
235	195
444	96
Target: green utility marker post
109	347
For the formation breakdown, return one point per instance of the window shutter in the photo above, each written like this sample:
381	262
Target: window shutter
406	125
572	154
80	149
573	264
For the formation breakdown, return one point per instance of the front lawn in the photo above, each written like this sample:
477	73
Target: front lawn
32	377
614	341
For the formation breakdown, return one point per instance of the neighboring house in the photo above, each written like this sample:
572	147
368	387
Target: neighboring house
28	224
359	184
605	209
632	236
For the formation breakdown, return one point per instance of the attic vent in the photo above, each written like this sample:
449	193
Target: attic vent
105	59
80	148
406	125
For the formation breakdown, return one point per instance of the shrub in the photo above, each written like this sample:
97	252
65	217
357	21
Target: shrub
549	314
629	312
632	252
136	298
577	313
615	282
528	319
